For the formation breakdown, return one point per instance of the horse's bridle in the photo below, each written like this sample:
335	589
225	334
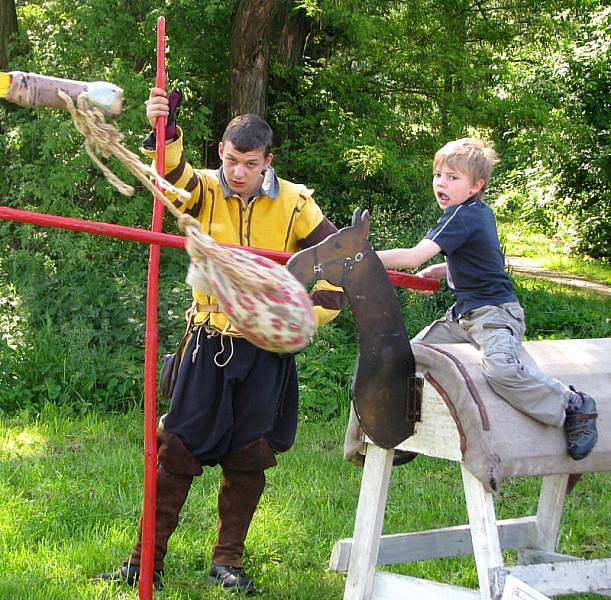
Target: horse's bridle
349	262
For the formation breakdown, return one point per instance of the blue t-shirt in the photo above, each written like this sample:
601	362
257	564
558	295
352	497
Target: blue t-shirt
468	238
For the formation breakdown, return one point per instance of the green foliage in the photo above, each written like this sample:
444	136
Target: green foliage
584	177
343	148
73	319
561	171
324	385
382	85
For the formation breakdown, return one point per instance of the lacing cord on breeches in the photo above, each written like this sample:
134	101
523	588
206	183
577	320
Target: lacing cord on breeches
211	334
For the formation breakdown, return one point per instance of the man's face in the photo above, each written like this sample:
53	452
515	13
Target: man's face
452	187
243	169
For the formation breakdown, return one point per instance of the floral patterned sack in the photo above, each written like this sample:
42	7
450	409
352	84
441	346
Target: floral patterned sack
261	299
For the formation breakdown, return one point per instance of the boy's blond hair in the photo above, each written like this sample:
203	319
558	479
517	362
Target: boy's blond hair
470	156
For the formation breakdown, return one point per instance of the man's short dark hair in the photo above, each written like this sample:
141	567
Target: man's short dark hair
248	133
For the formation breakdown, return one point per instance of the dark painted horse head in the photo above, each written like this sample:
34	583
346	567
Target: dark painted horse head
384	386
337	256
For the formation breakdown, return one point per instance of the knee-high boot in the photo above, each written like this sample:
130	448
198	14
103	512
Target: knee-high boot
242	485
238	498
172	492
175	471
176	468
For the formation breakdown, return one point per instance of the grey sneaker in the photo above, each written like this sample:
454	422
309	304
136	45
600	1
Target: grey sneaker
580	427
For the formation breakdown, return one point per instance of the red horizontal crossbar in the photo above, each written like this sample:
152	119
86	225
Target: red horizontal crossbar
135	234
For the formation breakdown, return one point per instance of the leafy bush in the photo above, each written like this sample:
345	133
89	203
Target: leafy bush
324	385
378	92
345	151
559	168
73	318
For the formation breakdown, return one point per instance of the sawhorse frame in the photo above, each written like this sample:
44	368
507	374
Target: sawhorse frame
484	537
445	433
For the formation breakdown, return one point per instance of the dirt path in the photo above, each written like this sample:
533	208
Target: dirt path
527	266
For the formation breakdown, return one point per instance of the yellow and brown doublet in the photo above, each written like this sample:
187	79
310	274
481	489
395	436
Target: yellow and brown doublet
284	217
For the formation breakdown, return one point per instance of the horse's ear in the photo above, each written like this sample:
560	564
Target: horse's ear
365	220
360	219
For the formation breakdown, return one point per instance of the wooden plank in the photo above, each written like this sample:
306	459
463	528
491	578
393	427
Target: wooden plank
390	586
484	532
516	589
436	543
436	434
571	577
549	510
532	556
368	523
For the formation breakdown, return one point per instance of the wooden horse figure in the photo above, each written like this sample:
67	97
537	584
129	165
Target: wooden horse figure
384	388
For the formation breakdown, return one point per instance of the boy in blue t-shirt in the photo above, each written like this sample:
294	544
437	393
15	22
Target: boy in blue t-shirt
487	313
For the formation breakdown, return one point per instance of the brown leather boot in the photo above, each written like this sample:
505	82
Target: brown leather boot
172	492
238	498
241	487
175	471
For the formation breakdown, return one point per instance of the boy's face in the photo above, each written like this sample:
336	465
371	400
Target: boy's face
243	169
452	187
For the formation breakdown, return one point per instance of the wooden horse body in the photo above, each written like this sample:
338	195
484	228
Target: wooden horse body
384	386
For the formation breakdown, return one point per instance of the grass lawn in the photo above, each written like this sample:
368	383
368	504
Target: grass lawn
71	489
550	253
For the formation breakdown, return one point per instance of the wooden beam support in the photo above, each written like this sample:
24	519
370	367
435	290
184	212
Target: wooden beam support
436	543
570	577
390	586
368	523
484	532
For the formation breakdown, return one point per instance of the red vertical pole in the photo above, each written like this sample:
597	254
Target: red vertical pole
149	502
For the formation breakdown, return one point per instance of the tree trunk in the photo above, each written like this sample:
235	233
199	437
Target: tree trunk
249	59
8	28
296	26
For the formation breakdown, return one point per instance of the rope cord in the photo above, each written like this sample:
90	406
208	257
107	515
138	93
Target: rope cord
105	139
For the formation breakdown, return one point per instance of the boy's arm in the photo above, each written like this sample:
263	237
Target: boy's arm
438	271
409	258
